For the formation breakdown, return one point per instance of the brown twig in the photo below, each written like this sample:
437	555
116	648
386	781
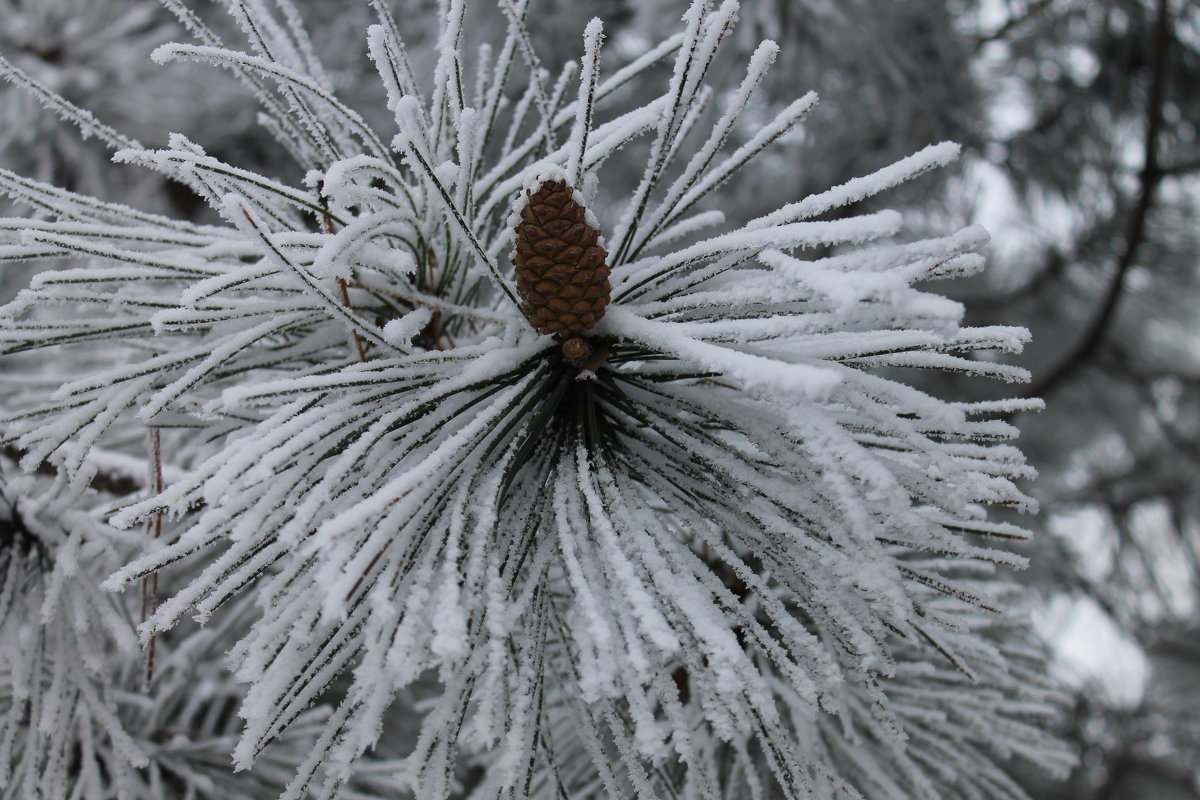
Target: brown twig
326	222
358	345
154	523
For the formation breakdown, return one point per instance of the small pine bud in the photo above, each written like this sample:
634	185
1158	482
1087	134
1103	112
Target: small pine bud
576	348
561	272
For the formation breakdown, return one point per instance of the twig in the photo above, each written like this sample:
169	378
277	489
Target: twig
1185	167
1014	21
358	345
154	523
412	299
327	227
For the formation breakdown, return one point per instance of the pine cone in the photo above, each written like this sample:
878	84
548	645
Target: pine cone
561	274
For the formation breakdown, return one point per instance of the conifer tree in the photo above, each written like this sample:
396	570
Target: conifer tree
464	537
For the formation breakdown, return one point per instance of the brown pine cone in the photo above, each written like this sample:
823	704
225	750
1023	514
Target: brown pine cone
561	274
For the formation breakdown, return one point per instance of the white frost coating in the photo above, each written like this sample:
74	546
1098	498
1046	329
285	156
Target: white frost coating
467	148
339	120
760	62
448	619
532	180
1016	405
337	256
598	658
689	225
754	373
645	608
540	174
401	331
741	539
447	173
693	20
81	118
857	189
633	281
783	122
235	211
842	288
589	74
410	123
377	50
388	53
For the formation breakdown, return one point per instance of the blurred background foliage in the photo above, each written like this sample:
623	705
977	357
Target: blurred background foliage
1079	123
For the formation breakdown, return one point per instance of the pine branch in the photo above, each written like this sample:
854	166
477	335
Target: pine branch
711	544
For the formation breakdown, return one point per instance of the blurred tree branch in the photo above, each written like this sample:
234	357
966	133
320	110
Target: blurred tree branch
1014	22
1148	180
1182	167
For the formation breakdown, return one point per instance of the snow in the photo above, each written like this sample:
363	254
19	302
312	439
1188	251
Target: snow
401	330
754	373
593	34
